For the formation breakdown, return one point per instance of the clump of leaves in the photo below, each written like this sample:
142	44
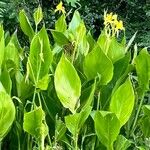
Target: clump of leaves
73	91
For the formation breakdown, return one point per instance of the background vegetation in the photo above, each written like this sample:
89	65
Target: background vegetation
135	14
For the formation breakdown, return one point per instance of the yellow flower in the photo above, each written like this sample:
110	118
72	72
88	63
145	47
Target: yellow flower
119	25
60	7
114	17
108	18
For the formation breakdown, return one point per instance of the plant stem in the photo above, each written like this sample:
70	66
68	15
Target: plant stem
110	147
33	99
76	141
0	145
41	143
137	114
98	101
74	52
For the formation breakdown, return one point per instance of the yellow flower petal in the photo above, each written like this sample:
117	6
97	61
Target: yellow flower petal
119	25
60	7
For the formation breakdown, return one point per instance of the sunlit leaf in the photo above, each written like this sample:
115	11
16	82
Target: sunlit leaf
122	102
67	84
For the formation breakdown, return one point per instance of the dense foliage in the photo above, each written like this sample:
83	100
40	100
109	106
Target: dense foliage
75	92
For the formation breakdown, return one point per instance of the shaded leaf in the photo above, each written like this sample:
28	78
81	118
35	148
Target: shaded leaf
75	122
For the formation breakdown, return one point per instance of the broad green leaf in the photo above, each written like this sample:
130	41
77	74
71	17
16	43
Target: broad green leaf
122	143
67	84
104	42
91	41
75	122
116	50
1	45
120	67
61	24
81	40
88	101
107	127
60	129
40	56
122	102
38	15
142	64
146	109
33	123
6	80
43	83
75	22
24	87
15	41
144	123
96	62
60	38
7	113
11	54
120	70
25	25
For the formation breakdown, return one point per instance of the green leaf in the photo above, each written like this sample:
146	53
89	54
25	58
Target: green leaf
24	87
122	102
107	127
122	143
40	57
61	24
91	41
33	123
75	122
43	83
116	50
25	25
104	42
60	38
96	62
67	84
146	109
81	40
75	22
73	2
7	113
38	15
2	44
144	123
142	64
130	42
88	100
11	54
6	80
60	129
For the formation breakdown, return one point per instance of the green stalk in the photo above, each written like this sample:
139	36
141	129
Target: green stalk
0	145
41	143
110	147
98	101
76	141
74	52
137	114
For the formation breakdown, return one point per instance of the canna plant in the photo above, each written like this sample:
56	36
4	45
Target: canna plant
72	91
